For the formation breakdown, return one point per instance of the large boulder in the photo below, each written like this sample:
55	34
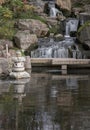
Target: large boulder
84	36
84	30
34	26
23	39
64	4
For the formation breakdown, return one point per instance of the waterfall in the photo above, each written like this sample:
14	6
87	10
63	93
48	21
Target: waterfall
66	48
53	12
67	33
51	52
62	53
63	49
53	9
42	53
71	26
74	54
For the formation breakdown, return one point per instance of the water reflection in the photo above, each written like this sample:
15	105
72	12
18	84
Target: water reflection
19	86
46	102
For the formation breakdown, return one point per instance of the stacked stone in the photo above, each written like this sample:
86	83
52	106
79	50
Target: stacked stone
18	68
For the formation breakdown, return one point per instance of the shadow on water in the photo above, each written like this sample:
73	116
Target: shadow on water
57	70
48	101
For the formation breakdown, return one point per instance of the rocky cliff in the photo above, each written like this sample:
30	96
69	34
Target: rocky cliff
64	4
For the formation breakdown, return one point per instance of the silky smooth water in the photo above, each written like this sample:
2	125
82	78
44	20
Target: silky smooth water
48	101
66	48
63	49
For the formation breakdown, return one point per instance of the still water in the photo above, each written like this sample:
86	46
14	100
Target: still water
48	101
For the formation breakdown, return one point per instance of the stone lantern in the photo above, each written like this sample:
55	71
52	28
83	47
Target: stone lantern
18	68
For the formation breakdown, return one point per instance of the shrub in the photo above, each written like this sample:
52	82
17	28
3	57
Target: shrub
27	7
5	13
54	29
7	30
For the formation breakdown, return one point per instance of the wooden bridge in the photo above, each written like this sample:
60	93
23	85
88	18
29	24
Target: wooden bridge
63	62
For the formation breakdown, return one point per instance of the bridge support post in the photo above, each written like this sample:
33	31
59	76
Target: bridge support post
27	62
64	69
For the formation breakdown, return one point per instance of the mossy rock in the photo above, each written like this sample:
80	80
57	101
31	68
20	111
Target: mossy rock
55	29
83	26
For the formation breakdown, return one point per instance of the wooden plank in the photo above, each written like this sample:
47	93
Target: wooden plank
60	61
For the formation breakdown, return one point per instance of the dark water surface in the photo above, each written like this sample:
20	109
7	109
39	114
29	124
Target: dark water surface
49	101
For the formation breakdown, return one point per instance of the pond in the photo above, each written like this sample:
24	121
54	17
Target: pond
48	101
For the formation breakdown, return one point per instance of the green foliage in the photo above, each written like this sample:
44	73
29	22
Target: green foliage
83	26
54	29
14	4
23	15
38	18
7	30
12	10
30	15
5	13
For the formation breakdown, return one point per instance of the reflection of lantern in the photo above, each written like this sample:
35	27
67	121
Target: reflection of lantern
19	86
19	94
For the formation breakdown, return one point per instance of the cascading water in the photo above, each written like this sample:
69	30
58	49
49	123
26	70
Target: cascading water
66	48
71	26
67	34
53	10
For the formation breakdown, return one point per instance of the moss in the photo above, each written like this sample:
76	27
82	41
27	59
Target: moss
54	29
83	26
